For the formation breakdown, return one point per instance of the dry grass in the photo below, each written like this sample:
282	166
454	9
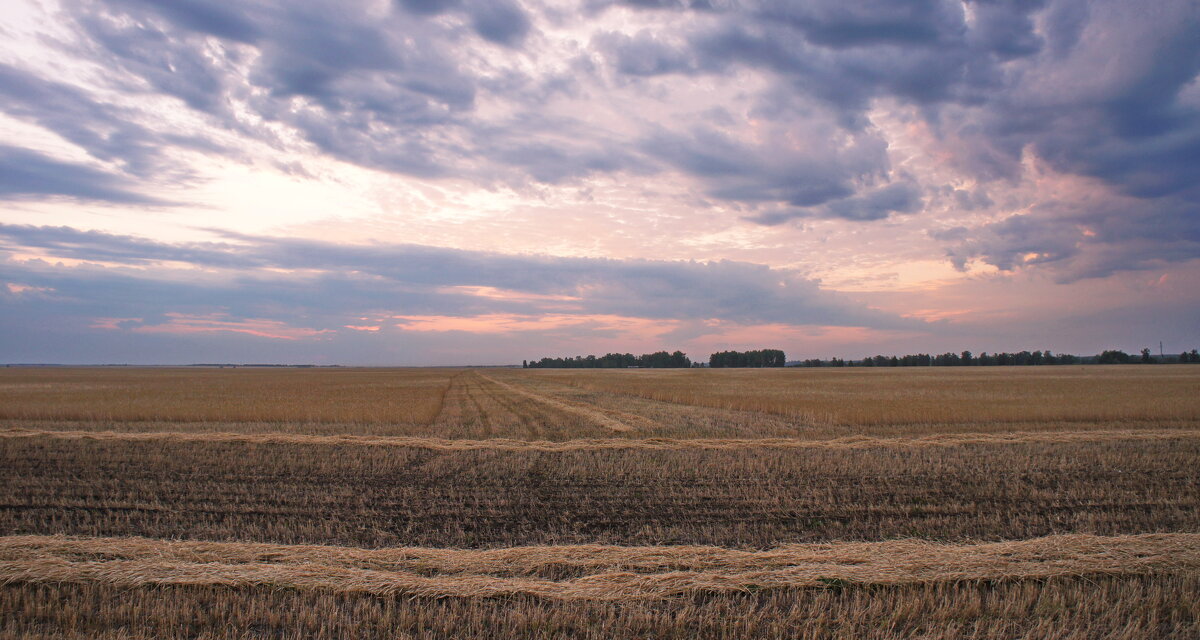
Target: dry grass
373	496
913	396
1163	607
608	572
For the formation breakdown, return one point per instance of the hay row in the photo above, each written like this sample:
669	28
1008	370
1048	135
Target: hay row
854	442
616	572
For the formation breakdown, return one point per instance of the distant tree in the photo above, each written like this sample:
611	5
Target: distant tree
1114	356
759	358
1146	357
967	358
658	359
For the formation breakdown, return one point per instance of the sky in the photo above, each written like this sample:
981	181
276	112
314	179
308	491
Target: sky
450	182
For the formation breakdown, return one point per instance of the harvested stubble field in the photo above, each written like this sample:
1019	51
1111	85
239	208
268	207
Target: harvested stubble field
747	498
1056	502
572	404
1164	607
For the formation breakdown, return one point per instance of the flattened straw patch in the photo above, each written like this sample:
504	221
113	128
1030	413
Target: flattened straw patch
608	572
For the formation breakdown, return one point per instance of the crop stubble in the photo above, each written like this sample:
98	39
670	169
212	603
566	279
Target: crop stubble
1164	606
492	462
571	404
751	498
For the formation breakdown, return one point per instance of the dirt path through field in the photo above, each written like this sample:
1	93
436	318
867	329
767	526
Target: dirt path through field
476	407
602	417
608	572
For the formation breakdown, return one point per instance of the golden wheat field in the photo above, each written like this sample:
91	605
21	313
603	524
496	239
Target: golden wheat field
1036	502
567	404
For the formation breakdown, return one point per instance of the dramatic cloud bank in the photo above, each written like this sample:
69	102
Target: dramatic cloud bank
290	289
404	181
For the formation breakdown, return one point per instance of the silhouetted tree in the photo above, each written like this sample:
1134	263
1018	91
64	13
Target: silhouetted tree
659	359
1113	356
760	358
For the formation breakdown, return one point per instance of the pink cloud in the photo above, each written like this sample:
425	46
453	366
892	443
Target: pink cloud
24	289
509	322
111	323
180	323
494	293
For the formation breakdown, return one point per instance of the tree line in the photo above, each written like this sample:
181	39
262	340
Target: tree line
1003	359
776	358
1115	356
662	360
968	359
656	360
759	358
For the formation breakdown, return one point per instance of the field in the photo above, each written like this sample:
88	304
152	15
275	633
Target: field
1043	502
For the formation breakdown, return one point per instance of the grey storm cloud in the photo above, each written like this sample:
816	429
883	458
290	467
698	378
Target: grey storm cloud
897	197
1077	241
353	280
734	170
1118	104
25	174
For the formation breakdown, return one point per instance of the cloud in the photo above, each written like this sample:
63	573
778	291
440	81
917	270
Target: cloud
500	21
768	110
1079	240
25	174
108	133
207	17
363	89
881	22
323	286
644	54
798	167
897	197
